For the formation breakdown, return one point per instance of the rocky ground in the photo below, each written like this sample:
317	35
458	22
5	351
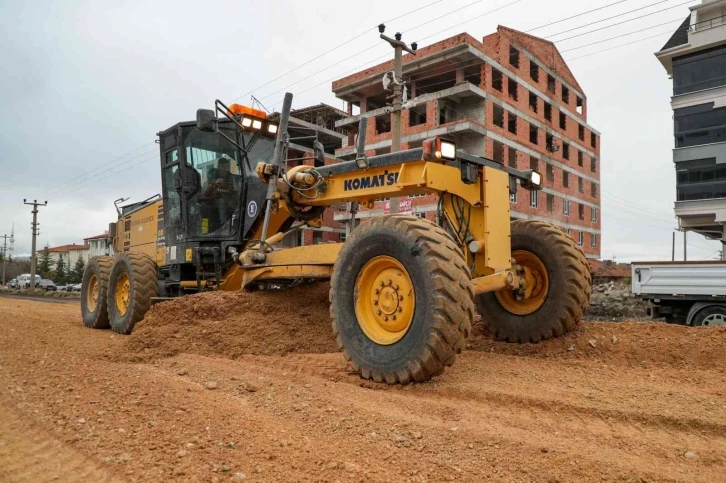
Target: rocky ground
248	387
614	301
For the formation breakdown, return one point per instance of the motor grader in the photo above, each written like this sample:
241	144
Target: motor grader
404	291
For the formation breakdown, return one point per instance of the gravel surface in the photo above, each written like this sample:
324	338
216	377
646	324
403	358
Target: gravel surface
609	402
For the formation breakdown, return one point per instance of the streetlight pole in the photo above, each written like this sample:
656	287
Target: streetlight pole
398	47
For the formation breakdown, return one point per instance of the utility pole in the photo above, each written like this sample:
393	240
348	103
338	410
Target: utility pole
5	256
398	47
35	206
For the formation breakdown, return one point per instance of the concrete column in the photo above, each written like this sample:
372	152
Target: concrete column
459	76
363	105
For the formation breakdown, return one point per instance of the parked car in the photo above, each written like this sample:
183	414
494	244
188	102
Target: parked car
48	285
77	287
24	280
13	283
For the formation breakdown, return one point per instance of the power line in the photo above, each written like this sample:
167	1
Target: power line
418	9
618	46
625	21
622	35
574	16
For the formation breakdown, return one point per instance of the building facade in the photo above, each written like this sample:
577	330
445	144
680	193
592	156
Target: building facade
99	245
509	97
695	58
68	253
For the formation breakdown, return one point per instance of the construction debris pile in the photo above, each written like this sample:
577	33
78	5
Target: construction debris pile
615	301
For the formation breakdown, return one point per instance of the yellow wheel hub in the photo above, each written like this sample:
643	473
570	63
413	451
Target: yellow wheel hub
537	285
92	294
123	293
384	300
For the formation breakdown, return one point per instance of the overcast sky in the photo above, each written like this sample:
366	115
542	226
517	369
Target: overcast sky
85	86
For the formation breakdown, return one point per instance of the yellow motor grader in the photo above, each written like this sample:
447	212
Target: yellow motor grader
404	291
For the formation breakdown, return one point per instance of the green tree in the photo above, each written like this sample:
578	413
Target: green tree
77	273
60	272
44	262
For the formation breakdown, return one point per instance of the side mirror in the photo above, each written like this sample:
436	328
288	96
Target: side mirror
206	120
318	153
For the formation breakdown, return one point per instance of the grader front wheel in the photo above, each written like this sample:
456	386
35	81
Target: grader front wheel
557	286
93	292
132	284
401	300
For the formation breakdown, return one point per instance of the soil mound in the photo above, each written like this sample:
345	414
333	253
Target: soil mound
232	324
630	343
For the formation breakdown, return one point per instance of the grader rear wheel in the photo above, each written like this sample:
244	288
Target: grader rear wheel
93	292
401	300
558	286
131	286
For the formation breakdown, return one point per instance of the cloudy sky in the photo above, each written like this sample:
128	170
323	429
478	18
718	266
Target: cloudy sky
86	85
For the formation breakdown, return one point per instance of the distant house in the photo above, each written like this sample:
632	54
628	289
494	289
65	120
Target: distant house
99	245
68	253
607	270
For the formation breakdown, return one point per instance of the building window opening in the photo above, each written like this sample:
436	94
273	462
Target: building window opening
594	240
512	89
550	142
533	134
512	123
513	197
581	238
565	151
417	115
533	101
383	124
514	57
565	95
550	203
580	185
565	179
566	208
593	165
594	215
580	158
497	115
533	71
580	105
593	140
512	158
563	121
581	211
498	152
550	173
548	111
593	189
550	83
534	199
533	163
317	237
581	132
497	82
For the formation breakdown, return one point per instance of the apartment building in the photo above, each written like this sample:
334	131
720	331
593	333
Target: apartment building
509	97
695	58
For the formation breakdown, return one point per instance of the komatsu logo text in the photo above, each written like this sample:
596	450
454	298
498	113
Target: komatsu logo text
364	182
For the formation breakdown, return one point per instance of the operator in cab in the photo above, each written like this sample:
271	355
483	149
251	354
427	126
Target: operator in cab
220	195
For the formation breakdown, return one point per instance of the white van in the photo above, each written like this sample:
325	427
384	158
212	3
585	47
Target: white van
24	280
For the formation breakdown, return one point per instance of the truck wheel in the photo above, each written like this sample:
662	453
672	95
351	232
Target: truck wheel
93	292
401	300
710	317
558	286
131	286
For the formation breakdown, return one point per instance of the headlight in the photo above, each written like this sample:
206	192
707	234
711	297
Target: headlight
256	124
272	128
246	121
448	150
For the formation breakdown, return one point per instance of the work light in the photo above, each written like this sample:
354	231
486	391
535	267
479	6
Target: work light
256	124
447	150
246	121
272	128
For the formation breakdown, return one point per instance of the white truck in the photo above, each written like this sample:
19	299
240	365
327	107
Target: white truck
690	293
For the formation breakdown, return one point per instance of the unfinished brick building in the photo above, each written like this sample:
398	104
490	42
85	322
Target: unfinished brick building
511	98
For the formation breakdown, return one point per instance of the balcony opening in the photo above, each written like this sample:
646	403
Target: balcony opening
512	157
565	95
417	115
497	115
514	57
579	105
550	83
498	152
497	80
533	71
563	121
383	124
512	89
533	101
533	134
512	123
548	111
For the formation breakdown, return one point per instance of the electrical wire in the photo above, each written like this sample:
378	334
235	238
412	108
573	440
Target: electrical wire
619	46
574	16
621	35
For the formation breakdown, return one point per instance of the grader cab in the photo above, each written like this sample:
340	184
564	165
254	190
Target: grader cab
404	291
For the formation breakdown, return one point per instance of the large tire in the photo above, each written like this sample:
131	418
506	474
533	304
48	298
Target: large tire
433	268
567	293
93	292
131	286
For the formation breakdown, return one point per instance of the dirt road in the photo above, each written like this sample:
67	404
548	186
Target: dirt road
619	402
